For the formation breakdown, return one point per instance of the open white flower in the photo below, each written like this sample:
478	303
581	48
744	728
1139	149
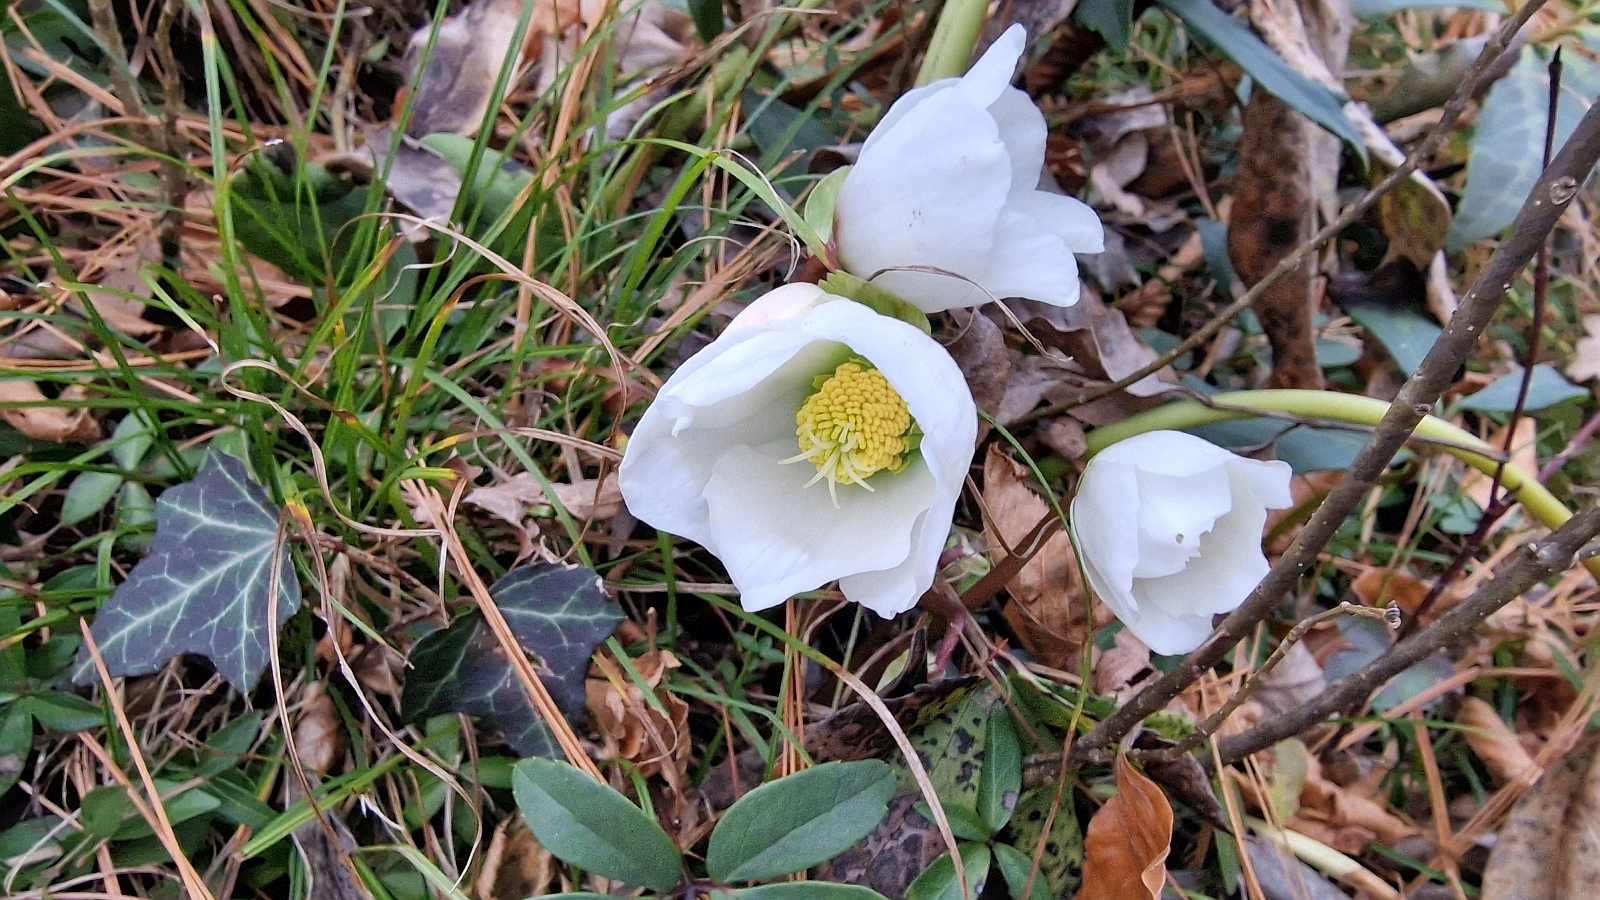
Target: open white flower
949	180
1169	528
789	448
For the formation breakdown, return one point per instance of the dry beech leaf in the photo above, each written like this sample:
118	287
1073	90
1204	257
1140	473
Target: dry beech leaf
1549	848
1496	744
318	741
47	423
515	866
1585	362
634	730
1047	595
980	350
584	500
1125	849
452	92
1293	682
1379	587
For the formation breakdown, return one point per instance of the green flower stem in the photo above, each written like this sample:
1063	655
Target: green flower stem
954	36
1534	497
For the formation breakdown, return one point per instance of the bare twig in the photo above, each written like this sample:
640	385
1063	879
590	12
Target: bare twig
1556	187
1424	150
1210	725
1533	563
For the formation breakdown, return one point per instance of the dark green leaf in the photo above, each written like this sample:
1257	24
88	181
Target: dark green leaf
1333	354
108	812
16	742
798	890
62	712
1235	39
964	823
1001	780
800	821
205	587
559	613
708	18
593	827
1508	144
1062	861
938	880
1545	389
1406	333
1015	867
1112	18
780	129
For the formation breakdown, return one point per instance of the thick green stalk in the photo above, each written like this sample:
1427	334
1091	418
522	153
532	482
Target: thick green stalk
1357	410
954	36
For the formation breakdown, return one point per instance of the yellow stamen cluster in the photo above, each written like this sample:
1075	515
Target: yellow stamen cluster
852	427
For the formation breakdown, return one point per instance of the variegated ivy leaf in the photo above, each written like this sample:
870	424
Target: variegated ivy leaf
558	613
207	586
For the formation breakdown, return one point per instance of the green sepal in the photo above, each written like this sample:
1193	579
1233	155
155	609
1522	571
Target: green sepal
821	201
843	284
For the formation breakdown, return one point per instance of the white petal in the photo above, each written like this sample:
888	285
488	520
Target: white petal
1174	453
1067	218
1023	129
898	110
1174	516
740	388
993	71
791	301
1167	633
1028	261
778	538
1268	480
1104	527
928	193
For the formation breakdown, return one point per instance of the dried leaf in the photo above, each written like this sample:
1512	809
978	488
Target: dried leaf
1296	679
57	424
516	865
1095	336
1047	606
980	350
1549	848
1494	742
1585	362
1128	839
635	730
454	89
512	499
317	739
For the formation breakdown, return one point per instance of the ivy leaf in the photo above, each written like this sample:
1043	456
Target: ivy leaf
1508	144
558	613
206	586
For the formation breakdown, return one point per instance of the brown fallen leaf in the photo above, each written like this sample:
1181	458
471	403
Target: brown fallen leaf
1048	599
515	865
980	350
1549	848
584	500
318	742
1585	362
454	88
631	727
58	424
1125	849
1493	741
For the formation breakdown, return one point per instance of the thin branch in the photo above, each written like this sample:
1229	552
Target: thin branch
1532	564
1556	187
1451	112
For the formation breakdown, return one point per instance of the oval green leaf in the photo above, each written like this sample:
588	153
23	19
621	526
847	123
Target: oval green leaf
797	822
798	890
938	880
591	826
1001	779
1015	867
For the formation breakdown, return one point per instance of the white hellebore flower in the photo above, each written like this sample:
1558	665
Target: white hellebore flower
949	180
789	448
1169	529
